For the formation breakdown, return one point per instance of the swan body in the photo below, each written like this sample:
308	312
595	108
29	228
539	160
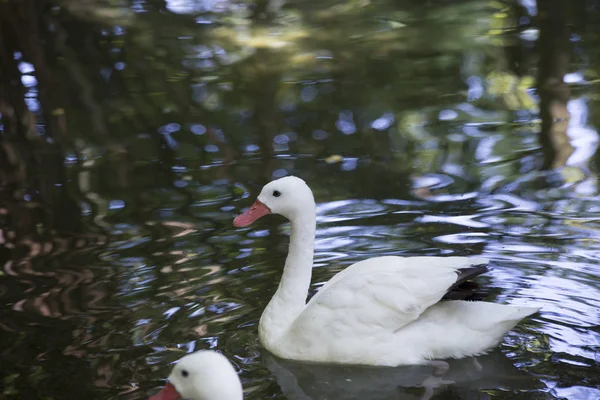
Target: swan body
384	311
203	375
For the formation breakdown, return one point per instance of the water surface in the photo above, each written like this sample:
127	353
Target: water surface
417	125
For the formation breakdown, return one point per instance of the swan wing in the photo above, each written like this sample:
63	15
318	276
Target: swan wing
381	294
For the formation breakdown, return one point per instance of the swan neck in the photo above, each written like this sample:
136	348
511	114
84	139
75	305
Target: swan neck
301	249
290	298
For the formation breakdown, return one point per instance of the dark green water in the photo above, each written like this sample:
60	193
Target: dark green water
131	140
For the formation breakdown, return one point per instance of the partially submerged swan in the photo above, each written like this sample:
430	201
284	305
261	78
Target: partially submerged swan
203	375
382	311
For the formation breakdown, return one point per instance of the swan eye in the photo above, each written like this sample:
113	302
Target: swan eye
276	193
184	373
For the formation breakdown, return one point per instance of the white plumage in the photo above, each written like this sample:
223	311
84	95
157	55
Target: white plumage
383	311
203	375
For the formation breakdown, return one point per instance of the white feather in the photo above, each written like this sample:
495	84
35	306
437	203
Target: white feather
381	311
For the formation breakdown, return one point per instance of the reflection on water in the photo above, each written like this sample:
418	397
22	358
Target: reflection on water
468	376
134	138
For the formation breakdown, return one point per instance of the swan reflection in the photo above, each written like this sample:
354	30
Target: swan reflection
464	378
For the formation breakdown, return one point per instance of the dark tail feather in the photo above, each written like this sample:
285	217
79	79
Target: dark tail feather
464	290
470	291
464	274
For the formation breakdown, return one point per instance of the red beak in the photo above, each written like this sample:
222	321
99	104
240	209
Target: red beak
256	211
167	393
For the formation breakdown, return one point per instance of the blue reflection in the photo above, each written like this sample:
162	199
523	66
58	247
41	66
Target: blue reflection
198	129
116	204
383	122
28	80
530	5
26	68
308	93
320	134
345	123
475	88
584	139
447	115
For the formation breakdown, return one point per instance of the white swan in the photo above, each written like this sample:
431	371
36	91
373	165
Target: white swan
383	311
204	375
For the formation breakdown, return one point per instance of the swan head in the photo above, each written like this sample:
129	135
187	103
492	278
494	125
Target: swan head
204	375
288	196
